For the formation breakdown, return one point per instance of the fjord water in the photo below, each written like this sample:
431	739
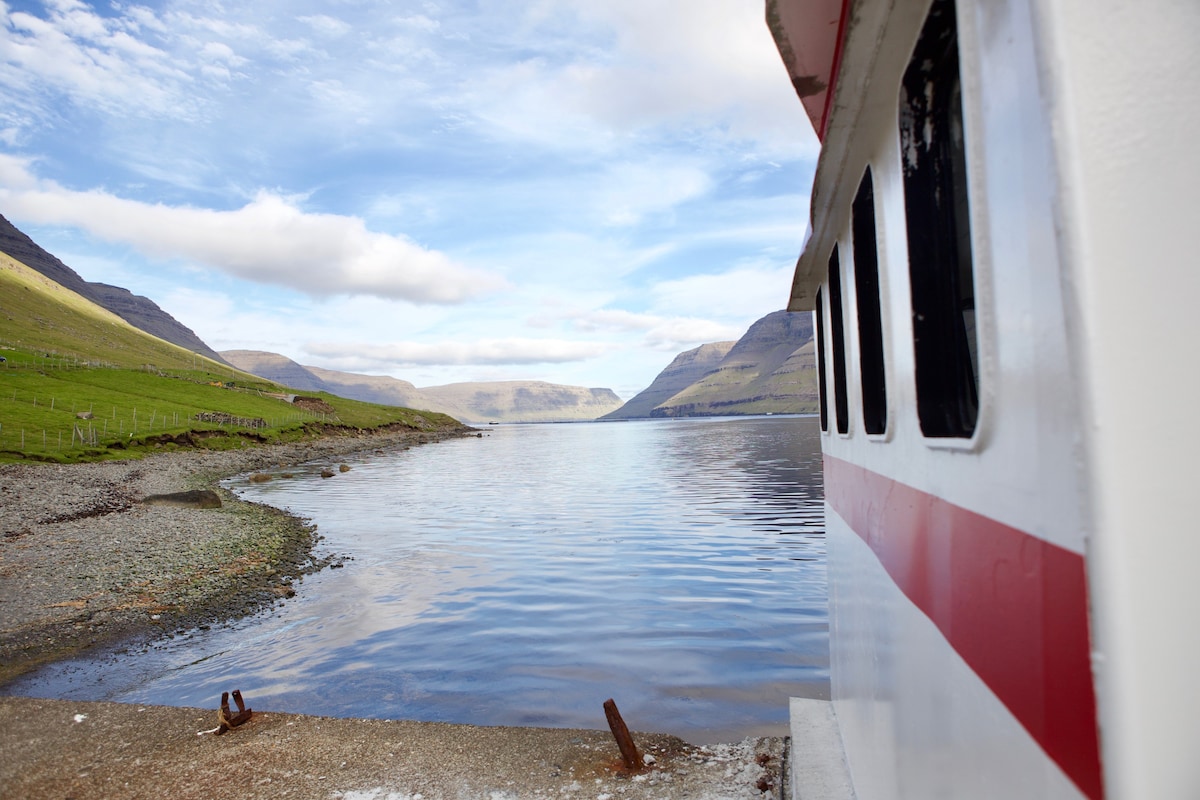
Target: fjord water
524	577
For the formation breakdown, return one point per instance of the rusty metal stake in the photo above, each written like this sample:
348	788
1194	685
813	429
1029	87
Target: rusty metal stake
629	751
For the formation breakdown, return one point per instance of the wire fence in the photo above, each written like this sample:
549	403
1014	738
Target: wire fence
70	425
94	427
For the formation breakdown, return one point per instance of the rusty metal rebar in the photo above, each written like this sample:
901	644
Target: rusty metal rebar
629	751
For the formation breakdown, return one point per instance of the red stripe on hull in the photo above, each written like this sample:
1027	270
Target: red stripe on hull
1012	605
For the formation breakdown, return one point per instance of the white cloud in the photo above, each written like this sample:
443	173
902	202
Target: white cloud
684	333
232	317
659	332
628	192
418	22
744	293
326	25
670	334
270	240
223	53
15	174
704	65
139	18
613	319
91	60
479	352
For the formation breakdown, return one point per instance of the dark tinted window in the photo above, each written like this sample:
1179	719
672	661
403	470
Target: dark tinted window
838	329
933	151
820	348
870	322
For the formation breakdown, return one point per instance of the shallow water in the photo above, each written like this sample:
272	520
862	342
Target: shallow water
524	577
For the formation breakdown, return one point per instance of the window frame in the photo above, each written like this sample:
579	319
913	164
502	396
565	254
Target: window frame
942	265
868	297
837	330
822	381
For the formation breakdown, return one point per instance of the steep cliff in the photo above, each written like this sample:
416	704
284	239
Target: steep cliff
687	368
138	311
770	370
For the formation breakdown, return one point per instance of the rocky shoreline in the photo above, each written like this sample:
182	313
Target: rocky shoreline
85	562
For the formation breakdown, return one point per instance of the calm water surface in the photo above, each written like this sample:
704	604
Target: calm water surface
524	577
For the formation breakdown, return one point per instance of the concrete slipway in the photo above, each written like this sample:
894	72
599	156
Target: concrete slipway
68	749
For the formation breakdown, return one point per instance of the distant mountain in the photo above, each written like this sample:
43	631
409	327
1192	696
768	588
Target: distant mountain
141	312
372	388
277	369
524	401
495	401
687	368
770	370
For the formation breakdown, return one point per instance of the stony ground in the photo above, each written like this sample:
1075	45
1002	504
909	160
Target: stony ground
59	749
83	561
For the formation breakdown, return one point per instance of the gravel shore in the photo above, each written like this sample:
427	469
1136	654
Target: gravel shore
84	562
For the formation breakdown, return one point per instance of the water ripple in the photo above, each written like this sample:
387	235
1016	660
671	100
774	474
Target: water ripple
524	577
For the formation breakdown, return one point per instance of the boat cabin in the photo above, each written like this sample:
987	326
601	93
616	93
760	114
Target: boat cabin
1002	266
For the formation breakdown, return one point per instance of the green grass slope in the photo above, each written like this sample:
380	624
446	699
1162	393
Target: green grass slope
80	383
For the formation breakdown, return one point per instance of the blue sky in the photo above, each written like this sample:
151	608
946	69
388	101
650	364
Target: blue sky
562	190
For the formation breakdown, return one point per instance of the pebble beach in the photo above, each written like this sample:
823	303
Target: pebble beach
84	561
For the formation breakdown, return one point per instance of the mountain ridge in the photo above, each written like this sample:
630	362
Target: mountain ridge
771	369
687	368
475	402
140	312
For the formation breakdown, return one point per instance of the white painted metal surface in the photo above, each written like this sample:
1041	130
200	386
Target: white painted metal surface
916	721
1079	122
1122	83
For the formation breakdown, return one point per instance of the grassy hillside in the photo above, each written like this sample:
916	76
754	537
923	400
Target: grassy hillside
67	358
688	367
770	370
752	387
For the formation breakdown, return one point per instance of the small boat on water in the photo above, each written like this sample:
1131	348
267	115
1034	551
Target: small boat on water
1002	264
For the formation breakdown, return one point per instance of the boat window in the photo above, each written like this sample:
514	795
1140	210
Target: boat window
933	151
823	390
838	329
866	293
